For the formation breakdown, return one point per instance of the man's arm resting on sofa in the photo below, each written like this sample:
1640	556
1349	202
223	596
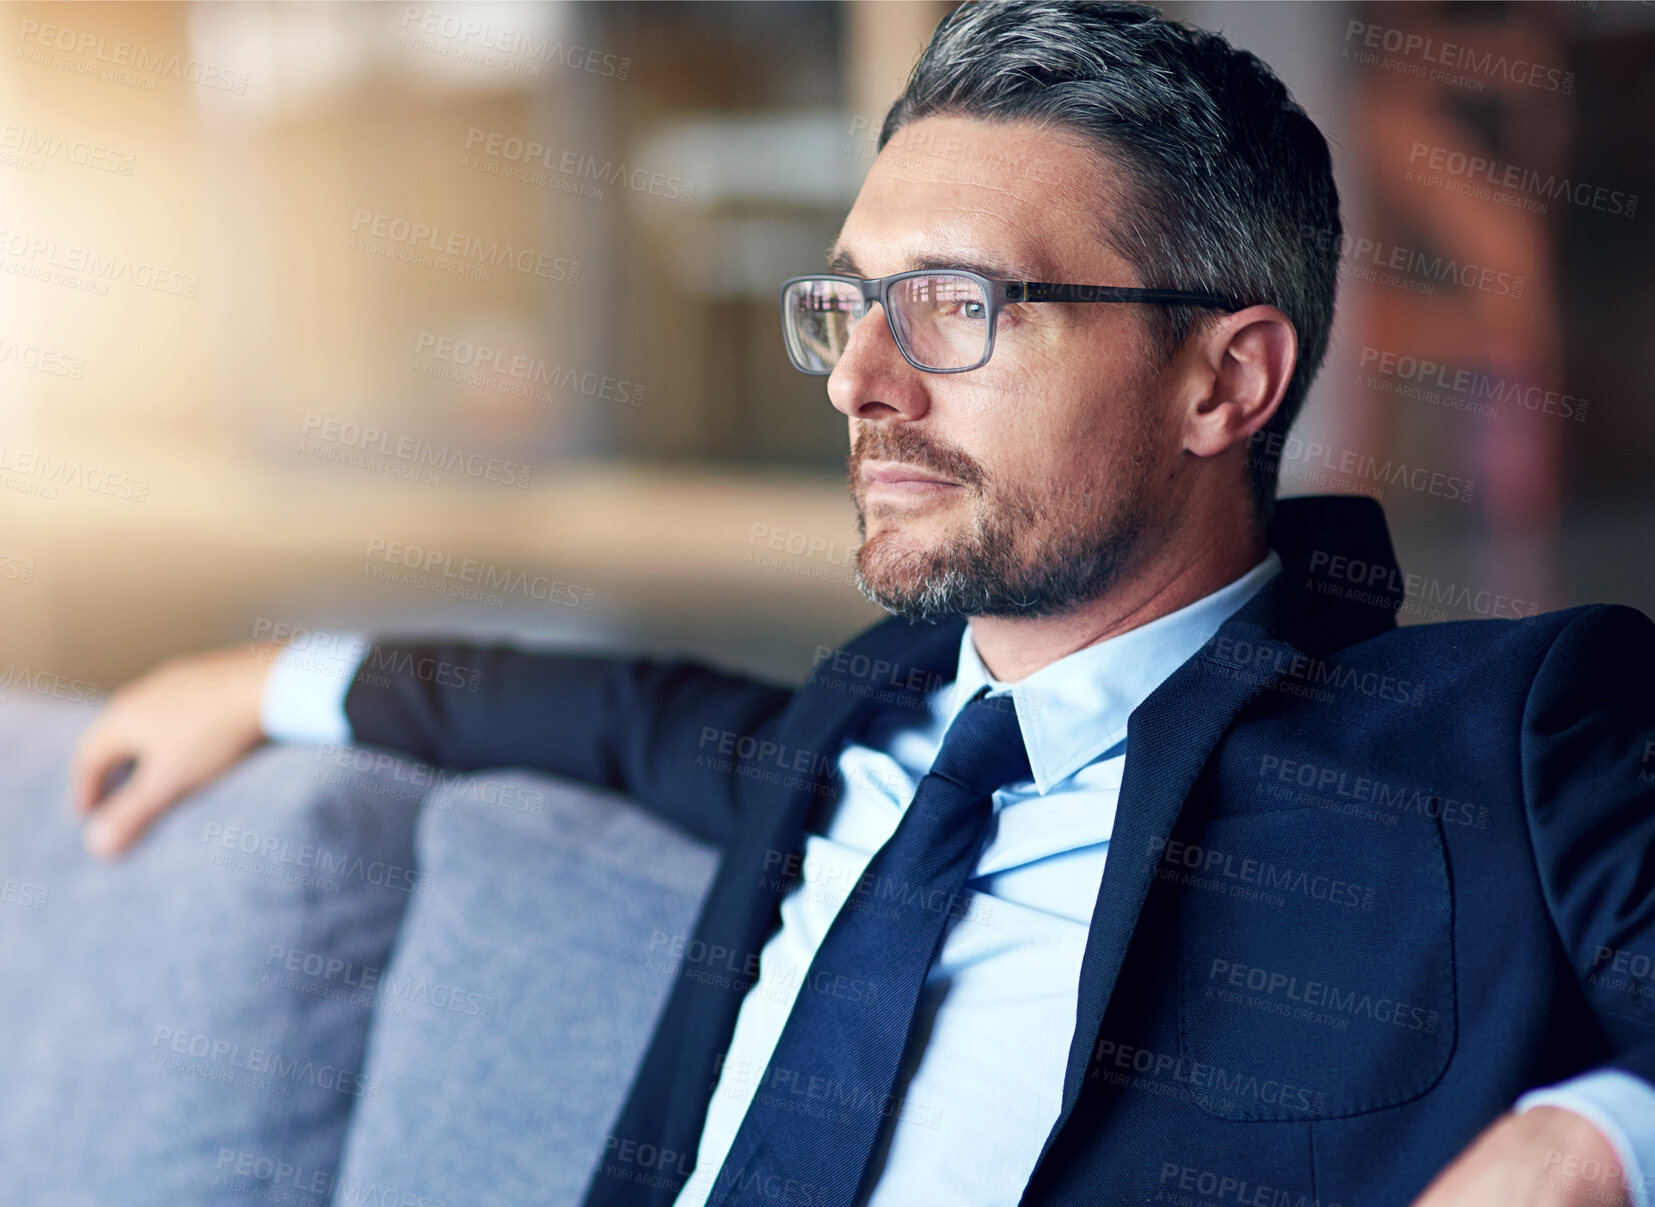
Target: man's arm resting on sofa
660	732
668	734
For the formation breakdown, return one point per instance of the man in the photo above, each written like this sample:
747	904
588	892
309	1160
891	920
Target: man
1228	890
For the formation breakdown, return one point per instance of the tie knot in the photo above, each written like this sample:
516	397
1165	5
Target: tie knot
983	748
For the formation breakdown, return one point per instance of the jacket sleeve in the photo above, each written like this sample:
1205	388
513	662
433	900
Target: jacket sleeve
659	732
1588	745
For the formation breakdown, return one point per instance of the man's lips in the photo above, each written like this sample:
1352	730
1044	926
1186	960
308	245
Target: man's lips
890	473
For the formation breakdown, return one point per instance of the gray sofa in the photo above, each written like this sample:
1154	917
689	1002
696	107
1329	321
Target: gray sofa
332	977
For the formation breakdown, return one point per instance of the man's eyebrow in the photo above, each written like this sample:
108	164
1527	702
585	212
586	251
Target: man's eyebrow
985	266
840	260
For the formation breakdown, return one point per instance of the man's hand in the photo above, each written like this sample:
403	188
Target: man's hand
184	722
1545	1157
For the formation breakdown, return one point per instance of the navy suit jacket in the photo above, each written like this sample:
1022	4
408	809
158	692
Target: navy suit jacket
1367	884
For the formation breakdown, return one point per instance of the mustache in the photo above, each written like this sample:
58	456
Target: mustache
887	442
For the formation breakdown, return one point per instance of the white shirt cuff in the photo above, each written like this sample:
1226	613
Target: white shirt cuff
304	694
1620	1106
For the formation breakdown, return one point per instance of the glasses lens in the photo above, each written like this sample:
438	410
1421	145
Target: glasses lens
817	318
941	320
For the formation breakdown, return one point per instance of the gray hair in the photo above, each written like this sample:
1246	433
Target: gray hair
1227	185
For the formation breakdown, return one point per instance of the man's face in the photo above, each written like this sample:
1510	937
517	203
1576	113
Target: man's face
1053	453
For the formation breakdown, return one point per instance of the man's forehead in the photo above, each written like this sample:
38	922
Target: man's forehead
927	204
924	250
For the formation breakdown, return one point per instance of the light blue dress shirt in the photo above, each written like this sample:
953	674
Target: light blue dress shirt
998	1010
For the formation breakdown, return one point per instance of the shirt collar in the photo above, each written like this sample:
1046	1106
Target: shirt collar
1076	708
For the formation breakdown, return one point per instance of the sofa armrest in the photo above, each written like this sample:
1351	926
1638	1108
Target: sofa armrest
184	1021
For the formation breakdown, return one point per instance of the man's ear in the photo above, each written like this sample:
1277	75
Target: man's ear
1238	370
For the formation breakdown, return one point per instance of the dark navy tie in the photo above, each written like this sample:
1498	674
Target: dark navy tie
830	1086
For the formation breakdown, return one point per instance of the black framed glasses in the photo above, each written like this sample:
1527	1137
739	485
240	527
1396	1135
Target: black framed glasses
943	320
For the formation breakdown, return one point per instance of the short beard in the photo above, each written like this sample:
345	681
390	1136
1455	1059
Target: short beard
986	571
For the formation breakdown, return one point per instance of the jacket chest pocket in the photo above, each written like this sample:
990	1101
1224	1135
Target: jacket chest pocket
1315	961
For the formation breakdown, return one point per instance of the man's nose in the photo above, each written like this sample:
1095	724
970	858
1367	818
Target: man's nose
872	379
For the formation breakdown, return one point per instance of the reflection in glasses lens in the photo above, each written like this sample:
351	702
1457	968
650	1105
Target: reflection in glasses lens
940	320
820	316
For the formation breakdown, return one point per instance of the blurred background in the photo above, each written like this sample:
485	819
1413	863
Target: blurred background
461	318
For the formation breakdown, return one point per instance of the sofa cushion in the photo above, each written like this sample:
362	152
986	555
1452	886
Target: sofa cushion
522	993
183	1023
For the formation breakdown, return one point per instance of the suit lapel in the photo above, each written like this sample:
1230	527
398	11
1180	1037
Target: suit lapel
891	666
1170	737
1172	734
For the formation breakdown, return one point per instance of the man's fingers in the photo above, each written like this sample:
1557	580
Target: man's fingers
128	812
99	752
1545	1157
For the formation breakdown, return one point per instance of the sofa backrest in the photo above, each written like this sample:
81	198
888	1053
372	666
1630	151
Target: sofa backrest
522	993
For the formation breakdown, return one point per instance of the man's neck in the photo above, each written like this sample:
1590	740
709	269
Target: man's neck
1014	647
